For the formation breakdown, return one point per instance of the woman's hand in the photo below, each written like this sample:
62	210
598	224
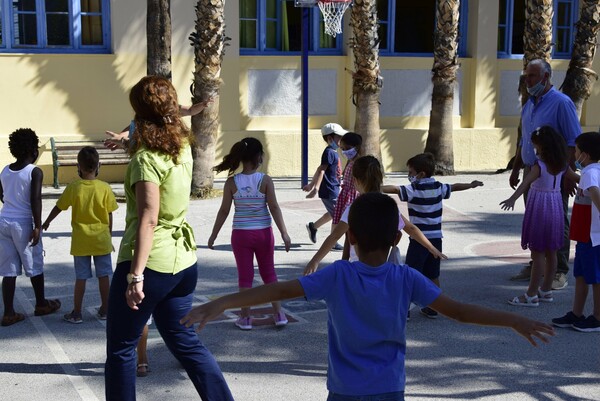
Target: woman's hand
135	294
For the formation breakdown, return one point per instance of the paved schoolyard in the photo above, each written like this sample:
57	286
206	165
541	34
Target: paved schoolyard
45	358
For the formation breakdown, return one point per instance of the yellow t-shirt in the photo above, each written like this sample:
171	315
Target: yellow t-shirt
91	201
173	247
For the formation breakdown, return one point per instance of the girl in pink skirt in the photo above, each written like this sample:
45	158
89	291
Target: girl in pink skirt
543	221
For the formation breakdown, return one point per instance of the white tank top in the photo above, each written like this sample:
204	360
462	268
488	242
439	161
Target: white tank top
17	192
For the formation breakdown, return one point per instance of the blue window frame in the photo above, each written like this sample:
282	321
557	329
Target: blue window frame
406	27
55	26
273	27
511	25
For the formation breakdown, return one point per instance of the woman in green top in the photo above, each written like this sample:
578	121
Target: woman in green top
156	270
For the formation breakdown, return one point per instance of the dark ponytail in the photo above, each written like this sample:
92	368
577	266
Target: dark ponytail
247	150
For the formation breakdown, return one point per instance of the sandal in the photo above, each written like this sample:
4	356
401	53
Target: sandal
545	296
52	305
10	320
142	369
525	300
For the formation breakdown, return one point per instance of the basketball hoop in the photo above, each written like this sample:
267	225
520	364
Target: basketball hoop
333	13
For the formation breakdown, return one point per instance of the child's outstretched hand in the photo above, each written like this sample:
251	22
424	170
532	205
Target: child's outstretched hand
286	241
310	268
45	226
530	329
475	184
202	314
508	204
211	242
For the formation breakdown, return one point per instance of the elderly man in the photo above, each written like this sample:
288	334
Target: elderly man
546	106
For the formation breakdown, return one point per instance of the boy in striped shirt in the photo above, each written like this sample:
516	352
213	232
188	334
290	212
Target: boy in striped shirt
424	197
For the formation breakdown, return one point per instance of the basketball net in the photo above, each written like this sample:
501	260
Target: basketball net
333	13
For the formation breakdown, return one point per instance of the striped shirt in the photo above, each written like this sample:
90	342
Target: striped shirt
251	212
424	198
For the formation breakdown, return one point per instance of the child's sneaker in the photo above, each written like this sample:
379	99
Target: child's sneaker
567	320
280	319
588	325
100	315
428	312
244	323
73	317
312	232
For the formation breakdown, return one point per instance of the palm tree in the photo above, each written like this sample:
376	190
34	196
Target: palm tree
580	76
158	34
445	65
366	79
209	42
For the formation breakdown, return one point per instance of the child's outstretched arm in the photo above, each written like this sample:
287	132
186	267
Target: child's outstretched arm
276	212
462	187
339	230
531	177
255	296
228	191
53	213
390	189
313	186
37	176
414	232
117	140
467	313
195	108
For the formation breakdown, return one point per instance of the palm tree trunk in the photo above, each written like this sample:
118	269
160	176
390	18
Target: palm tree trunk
445	65
209	42
366	79
580	76
158	33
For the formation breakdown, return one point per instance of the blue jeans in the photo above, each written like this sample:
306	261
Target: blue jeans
395	396
168	298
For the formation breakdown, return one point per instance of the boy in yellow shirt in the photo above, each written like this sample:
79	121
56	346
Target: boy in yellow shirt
92	202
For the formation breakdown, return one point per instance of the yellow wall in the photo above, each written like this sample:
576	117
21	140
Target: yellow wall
76	96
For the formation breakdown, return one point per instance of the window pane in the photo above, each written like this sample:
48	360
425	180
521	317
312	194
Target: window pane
502	12
383	32
382	10
518	27
562	42
91	6
248	8
414	26
57	26
293	28
271	9
248	34
563	16
91	30
57	6
24	5
26	29
502	39
271	39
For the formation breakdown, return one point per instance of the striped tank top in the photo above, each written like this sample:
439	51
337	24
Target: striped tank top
251	212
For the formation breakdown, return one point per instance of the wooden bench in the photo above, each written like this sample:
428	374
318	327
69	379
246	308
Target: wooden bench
64	153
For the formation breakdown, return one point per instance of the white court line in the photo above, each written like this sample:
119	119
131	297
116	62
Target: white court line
59	354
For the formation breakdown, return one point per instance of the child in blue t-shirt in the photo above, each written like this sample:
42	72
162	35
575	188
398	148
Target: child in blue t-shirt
326	180
367	302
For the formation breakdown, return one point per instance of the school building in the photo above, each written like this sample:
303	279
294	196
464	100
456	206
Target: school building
67	67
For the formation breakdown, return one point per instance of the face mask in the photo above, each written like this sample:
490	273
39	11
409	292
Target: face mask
578	165
412	179
537	89
333	145
350	153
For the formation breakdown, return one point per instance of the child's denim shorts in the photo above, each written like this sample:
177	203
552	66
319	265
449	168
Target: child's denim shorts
83	266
